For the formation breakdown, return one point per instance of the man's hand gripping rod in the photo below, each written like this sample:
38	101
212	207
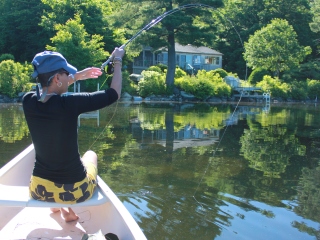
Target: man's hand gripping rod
110	59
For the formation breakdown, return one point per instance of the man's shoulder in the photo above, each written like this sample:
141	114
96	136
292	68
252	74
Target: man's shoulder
27	96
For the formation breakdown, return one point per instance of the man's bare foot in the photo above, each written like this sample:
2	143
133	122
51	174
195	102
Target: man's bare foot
69	216
54	210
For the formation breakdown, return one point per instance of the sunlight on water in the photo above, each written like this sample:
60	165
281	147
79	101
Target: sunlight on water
180	179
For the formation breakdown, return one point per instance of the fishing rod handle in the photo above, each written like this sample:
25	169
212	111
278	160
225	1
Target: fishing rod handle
111	58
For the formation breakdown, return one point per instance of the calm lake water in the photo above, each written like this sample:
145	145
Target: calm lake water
197	171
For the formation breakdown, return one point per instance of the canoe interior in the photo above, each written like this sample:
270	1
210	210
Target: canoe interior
40	223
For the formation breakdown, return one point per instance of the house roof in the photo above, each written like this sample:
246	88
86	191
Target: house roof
194	50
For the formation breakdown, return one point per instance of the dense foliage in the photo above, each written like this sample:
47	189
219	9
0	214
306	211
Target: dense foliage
152	83
202	86
275	47
278	36
14	77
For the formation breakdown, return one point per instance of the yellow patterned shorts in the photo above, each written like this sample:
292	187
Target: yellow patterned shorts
48	191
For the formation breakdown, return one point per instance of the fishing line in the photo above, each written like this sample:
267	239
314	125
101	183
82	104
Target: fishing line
97	138
161	17
214	152
148	27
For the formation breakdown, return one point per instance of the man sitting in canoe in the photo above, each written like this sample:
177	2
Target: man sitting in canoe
60	174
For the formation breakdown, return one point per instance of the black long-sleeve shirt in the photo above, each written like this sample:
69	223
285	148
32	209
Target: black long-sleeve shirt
53	127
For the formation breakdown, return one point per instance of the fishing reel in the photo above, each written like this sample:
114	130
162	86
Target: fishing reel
107	66
109	69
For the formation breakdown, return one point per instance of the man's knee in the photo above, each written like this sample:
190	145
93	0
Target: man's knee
90	156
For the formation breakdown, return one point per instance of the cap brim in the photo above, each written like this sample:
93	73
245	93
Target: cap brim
71	69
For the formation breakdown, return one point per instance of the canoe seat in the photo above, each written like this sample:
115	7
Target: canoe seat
18	196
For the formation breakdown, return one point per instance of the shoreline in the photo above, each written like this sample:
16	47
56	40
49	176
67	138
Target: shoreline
191	100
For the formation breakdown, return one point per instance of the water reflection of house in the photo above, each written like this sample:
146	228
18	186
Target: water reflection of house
188	136
243	112
189	58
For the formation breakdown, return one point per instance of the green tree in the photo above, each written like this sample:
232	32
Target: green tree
238	20
194	26
315	24
296	12
93	13
14	78
315	10
21	34
73	41
257	75
81	49
313	89
275	47
249	16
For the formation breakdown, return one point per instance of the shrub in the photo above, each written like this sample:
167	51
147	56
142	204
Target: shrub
14	78
313	88
155	69
221	88
257	75
128	85
275	86
222	73
179	73
162	66
298	90
6	56
152	83
192	85
204	85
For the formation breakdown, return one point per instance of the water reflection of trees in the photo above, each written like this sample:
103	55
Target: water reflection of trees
13	126
269	149
309	194
129	163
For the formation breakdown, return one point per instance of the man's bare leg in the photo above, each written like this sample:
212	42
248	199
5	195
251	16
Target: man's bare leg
68	216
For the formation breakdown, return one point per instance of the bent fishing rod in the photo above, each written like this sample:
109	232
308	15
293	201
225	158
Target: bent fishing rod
149	26
159	19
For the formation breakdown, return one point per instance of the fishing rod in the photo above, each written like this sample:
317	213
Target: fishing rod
152	23
155	22
159	19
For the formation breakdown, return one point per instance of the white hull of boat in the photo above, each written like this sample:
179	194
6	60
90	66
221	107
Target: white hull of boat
28	220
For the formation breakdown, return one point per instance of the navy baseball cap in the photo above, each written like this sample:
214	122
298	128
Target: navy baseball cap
49	61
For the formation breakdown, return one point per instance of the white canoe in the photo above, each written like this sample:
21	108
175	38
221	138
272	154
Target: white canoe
25	218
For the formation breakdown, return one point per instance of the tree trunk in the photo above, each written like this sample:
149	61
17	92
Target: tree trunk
171	57
171	61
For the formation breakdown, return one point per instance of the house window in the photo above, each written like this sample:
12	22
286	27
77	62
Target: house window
209	60
217	60
148	59
212	60
196	59
182	61
138	61
163	58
